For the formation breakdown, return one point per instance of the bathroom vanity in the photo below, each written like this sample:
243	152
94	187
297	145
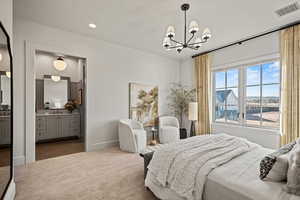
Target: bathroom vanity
53	126
53	121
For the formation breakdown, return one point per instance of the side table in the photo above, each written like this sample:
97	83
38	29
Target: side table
183	133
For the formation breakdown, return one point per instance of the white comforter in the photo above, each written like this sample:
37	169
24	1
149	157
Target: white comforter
184	166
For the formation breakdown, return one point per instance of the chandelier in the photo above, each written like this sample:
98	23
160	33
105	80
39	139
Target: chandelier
193	42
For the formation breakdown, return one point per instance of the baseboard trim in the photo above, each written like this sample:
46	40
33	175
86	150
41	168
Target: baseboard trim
103	145
11	191
19	160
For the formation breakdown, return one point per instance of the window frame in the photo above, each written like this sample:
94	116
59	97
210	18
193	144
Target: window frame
242	92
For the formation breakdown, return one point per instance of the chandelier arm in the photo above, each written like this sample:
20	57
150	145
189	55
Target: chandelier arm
174	47
202	42
176	41
191	47
193	34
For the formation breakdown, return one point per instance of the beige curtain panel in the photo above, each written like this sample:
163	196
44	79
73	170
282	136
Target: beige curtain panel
202	71
290	89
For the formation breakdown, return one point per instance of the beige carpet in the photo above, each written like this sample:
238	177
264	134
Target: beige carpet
109	174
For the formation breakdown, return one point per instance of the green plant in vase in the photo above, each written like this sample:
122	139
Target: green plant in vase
71	106
179	98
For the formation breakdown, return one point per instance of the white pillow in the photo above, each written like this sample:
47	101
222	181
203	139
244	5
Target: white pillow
279	170
293	176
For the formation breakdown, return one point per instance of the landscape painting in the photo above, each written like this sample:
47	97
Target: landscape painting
143	103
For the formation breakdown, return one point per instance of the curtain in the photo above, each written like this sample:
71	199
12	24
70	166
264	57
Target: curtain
202	71
290	89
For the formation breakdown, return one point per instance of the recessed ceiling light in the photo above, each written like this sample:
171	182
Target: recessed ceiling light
92	25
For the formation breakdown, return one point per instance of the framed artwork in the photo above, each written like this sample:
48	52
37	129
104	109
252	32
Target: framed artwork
143	103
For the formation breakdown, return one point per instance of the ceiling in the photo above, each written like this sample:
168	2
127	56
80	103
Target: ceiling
141	24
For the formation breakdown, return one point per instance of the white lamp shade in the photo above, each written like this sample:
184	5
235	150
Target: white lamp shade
55	78
198	40
193	28
179	49
0	56
206	34
170	31
166	42
8	74
193	111
60	64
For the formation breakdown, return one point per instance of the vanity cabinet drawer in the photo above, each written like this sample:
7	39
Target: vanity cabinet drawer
40	122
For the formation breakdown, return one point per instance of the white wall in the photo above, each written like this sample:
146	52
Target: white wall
6	15
110	68
44	66
248	51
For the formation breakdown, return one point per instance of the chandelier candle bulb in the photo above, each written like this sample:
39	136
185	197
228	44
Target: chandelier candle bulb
170	32
193	28
197	42
179	49
166	42
206	34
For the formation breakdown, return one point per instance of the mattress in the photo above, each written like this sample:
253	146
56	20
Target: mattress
235	180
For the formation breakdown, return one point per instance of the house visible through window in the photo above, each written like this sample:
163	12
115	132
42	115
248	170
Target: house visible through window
248	95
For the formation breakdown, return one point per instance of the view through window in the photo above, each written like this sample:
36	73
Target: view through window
248	95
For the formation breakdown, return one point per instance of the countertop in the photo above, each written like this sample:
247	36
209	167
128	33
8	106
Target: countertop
4	116
56	114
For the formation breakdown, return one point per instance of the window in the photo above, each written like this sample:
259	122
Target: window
226	101
248	95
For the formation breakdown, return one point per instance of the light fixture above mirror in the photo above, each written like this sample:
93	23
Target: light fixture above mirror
55	78
60	64
92	25
8	74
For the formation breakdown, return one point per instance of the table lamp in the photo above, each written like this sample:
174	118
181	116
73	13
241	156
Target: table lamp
193	117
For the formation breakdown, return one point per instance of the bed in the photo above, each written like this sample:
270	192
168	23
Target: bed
236	179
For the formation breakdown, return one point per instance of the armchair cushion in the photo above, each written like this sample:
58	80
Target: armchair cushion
169	134
169	130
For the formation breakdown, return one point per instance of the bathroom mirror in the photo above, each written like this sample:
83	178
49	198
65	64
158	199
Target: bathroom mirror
56	91
6	116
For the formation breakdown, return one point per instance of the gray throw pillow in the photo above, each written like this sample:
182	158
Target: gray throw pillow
293	176
268	162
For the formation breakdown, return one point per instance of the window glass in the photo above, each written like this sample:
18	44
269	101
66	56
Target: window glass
253	105
271	73
220	105
220	79
232	102
253	75
232	78
270	105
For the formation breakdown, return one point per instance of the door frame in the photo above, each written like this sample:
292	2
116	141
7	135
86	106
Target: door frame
30	57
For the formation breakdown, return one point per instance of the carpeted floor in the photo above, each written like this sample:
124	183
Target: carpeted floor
107	175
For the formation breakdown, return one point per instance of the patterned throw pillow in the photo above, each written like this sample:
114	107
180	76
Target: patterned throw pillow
268	161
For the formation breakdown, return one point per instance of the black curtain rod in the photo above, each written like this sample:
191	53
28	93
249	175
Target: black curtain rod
250	38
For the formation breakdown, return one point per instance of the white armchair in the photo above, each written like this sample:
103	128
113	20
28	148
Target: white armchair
168	129
132	136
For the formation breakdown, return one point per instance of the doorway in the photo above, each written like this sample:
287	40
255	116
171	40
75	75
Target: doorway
56	115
